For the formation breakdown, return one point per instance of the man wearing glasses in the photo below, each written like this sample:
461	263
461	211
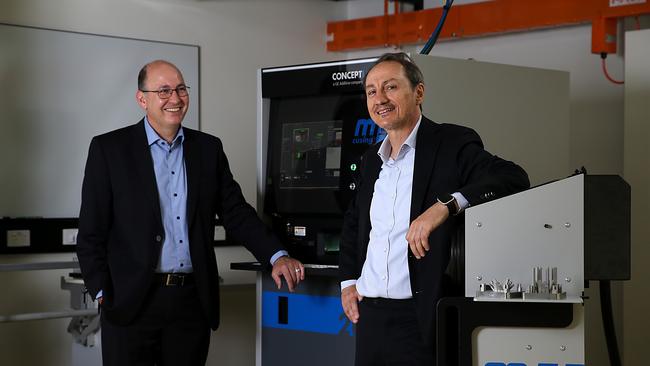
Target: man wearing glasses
149	198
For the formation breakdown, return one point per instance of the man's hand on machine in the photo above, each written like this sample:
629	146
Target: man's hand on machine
291	269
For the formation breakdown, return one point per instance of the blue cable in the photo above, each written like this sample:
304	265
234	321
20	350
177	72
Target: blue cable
434	36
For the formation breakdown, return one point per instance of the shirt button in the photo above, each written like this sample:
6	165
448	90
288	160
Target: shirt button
178	217
175	194
181	264
383	277
173	172
181	241
158	238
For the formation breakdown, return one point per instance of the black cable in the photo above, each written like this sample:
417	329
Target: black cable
608	323
436	32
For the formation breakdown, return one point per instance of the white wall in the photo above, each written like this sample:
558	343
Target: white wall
637	160
236	38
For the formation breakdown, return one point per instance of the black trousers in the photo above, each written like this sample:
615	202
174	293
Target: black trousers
171	329
388	335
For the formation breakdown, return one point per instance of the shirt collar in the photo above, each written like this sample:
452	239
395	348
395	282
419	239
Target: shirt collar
153	137
385	148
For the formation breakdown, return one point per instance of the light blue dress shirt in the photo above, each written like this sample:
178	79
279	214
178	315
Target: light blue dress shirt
171	180
169	167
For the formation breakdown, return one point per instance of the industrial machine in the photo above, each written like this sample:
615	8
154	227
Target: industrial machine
528	258
522	262
313	128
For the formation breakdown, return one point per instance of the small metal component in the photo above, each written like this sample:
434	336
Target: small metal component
545	285
479	278
478	224
567	225
495	285
563	348
353	186
546	288
508	285
556	289
553	276
529	347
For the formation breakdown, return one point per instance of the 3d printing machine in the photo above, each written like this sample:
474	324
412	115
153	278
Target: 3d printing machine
528	258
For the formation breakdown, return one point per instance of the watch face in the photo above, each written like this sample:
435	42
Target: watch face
450	205
446	199
450	202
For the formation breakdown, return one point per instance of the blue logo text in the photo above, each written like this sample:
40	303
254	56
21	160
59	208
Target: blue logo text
367	132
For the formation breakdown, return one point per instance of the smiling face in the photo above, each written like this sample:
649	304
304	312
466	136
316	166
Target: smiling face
163	114
393	103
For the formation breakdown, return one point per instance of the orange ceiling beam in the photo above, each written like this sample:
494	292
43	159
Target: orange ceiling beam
486	18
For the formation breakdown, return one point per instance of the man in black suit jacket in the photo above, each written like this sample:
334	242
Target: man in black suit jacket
149	199
397	232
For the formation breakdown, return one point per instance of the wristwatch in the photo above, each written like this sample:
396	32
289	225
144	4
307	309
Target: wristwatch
451	203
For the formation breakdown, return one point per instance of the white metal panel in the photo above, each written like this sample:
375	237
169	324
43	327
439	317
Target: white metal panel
531	346
540	227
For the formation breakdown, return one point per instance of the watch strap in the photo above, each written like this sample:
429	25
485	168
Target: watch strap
451	203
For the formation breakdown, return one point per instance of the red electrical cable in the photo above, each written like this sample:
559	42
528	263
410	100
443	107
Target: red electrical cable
607	74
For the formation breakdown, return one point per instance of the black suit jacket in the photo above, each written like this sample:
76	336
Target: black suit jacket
448	159
120	225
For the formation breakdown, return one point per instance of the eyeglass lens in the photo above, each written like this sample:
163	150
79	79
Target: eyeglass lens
166	93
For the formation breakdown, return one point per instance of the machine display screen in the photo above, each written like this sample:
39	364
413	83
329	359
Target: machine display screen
317	127
313	143
311	154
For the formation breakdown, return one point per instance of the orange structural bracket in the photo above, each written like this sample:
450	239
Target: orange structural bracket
486	18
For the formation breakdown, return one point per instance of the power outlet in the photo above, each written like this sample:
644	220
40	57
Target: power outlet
69	236
219	233
18	238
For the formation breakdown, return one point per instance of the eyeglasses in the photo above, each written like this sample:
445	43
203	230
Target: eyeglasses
166	93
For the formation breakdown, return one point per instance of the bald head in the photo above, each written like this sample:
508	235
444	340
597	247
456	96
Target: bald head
142	75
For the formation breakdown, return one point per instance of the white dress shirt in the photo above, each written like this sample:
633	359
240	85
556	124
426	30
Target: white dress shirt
385	272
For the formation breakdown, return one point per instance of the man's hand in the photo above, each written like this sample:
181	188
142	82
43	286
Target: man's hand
291	269
350	300
423	226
